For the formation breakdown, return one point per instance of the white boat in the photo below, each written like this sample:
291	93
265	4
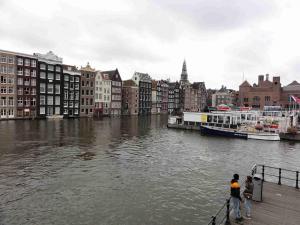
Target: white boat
264	136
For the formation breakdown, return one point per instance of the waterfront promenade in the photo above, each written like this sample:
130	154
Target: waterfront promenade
280	206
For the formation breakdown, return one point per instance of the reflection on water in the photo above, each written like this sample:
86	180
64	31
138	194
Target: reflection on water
141	173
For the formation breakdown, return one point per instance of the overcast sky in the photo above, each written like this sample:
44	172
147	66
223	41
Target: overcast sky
220	39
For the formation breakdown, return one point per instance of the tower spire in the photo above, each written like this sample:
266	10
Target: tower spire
184	75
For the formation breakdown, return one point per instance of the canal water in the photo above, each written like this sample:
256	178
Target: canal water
137	172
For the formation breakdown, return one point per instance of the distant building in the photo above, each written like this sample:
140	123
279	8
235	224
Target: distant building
87	91
177	93
201	95
156	98
116	91
102	94
210	93
8	82
130	98
71	93
223	96
265	93
144	82
50	84
292	89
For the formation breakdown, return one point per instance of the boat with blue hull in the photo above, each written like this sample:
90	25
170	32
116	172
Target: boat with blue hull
220	131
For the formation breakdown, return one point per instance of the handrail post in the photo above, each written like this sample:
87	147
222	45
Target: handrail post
279	178
227	222
263	172
297	179
213	220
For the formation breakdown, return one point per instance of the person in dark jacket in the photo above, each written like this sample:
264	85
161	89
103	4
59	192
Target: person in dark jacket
236	197
248	196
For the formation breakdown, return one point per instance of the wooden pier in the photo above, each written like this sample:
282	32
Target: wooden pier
280	206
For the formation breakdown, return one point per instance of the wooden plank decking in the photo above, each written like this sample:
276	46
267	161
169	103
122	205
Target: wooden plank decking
280	206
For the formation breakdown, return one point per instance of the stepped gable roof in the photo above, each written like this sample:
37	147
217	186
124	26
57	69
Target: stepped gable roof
245	84
129	83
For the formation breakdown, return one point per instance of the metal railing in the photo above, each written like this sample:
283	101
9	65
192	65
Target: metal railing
223	214
278	175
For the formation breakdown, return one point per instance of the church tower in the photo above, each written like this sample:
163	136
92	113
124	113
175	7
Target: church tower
184	75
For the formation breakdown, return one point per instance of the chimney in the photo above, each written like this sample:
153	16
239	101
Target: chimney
260	79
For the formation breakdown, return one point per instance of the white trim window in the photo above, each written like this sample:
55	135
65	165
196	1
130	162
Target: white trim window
20	61
50	89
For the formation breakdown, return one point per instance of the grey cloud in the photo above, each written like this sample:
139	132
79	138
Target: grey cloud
216	15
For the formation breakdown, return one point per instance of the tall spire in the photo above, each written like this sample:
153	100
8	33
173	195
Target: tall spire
184	75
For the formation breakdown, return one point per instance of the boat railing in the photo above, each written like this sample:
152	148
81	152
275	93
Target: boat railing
268	173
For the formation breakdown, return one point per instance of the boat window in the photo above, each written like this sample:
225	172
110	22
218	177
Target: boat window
215	119
243	116
227	121
220	119
209	119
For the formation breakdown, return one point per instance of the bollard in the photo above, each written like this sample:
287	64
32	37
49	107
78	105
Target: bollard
227	222
279	178
297	179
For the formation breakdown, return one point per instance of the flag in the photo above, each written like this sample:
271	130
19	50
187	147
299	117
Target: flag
295	99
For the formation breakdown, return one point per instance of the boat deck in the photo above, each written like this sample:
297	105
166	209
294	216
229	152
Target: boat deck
280	206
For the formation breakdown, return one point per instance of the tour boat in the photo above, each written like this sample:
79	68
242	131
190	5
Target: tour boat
235	133
220	131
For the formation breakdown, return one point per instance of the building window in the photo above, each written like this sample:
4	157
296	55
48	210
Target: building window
57	69
42	75
27	62
267	98
20	61
11	101
3	90
33	73
20	81
33	63
20	102
57	88
57	76
10	60
49	100
33	102
20	71
33	82
50	76
50	89
42	110
42	66
57	100
26	91
50	67
66	78
27	72
42	87
10	70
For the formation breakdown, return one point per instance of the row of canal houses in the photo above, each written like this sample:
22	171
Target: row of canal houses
41	86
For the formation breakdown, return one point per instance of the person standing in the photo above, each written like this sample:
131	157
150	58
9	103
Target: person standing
236	197
248	193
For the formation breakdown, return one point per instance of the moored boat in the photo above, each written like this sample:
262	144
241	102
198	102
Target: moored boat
264	136
224	132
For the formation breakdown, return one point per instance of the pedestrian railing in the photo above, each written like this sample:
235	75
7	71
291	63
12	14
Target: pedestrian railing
277	175
273	174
